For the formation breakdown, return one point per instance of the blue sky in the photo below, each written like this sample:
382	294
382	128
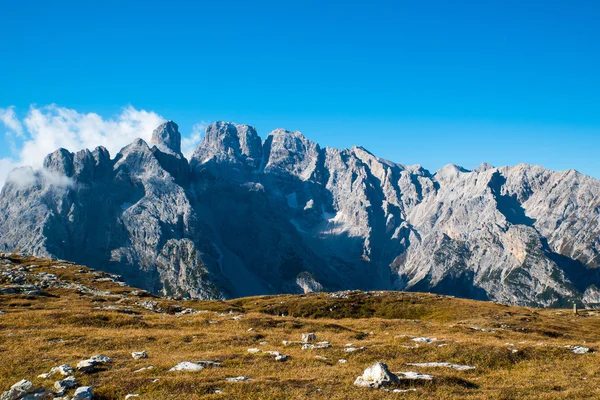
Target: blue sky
428	82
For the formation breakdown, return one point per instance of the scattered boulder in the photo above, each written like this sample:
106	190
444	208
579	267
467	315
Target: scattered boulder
424	340
187	366
18	390
83	393
443	364
137	355
415	376
353	349
239	379
319	345
282	357
90	365
131	396
64	370
309	337
376	376
144	369
580	350
63	385
253	350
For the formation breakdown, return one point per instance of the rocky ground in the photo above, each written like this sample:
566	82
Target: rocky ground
69	332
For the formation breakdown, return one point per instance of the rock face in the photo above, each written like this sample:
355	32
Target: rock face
247	217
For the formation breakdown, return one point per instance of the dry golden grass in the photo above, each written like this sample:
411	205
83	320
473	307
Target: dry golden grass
39	332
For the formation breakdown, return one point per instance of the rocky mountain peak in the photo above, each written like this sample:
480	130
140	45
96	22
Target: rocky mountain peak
246	217
167	137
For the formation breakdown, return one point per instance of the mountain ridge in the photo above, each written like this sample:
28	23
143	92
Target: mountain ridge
245	216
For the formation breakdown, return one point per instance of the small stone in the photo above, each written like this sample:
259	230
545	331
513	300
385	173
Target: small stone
137	355
342	361
424	340
309	337
187	366
580	350
65	384
282	357
415	376
253	350
83	393
442	364
239	379
131	396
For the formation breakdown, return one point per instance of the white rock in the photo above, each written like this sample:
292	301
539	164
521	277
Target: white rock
424	340
65	384
580	350
18	390
187	366
376	376
137	355
144	369
352	349
342	361
414	376
131	396
253	350
309	337
442	364
83	393
239	379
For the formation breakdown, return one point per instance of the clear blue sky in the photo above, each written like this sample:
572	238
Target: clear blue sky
429	82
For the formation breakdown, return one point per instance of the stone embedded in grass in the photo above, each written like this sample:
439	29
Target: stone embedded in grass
476	328
239	379
137	355
424	340
65	384
580	349
19	390
89	365
309	337
376	376
253	350
83	393
187	366
319	345
353	349
144	369
208	364
282	357
443	364
131	396
342	361
64	370
414	376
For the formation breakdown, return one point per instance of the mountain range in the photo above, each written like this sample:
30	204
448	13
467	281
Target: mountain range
245	217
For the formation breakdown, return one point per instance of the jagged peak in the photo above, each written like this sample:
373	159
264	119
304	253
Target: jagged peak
484	167
230	138
61	161
450	171
167	137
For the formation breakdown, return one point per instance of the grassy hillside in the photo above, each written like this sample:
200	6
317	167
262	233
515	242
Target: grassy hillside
76	313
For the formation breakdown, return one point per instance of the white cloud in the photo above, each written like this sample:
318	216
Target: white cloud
189	143
53	127
45	129
9	118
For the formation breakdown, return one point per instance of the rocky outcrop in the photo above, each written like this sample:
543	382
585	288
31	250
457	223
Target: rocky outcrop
248	217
